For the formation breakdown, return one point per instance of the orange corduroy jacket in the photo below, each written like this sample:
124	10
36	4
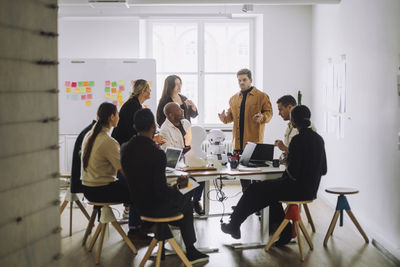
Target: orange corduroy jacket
256	101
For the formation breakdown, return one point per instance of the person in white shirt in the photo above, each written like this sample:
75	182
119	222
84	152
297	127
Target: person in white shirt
177	132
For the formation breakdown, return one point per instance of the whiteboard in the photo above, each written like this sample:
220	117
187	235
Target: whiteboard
86	83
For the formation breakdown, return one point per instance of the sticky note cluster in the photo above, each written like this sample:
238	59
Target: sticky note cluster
113	91
79	91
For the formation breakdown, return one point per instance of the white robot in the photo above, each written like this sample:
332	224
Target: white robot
196	157
217	148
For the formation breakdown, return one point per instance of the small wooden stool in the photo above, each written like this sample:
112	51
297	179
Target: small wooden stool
341	205
163	233
293	214
71	198
107	216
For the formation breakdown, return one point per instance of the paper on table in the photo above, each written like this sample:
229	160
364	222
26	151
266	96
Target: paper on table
192	184
248	169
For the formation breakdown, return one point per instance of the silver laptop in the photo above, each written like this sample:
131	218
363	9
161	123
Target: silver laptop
173	156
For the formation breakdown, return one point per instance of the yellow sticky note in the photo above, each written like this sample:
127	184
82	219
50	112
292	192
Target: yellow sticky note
119	98
119	92
77	90
88	102
121	103
107	95
150	83
68	90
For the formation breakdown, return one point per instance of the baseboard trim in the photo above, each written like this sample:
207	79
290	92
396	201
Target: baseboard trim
385	252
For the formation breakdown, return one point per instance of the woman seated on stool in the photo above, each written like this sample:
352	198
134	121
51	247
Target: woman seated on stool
101	161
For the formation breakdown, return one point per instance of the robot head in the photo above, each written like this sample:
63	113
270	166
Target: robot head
216	137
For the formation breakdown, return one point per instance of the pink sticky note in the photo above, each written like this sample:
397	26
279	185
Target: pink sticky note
115	102
121	87
89	96
108	83
73	84
67	84
83	97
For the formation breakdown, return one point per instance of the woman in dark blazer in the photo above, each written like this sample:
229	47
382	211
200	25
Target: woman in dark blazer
171	93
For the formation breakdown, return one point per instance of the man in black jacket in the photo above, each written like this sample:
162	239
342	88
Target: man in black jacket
144	165
306	164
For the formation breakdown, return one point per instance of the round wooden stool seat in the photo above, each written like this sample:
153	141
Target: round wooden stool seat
103	203
293	202
162	235
342	190
342	205
162	219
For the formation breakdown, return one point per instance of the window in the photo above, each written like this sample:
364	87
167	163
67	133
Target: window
206	55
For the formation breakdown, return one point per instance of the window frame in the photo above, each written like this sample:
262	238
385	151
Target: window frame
201	73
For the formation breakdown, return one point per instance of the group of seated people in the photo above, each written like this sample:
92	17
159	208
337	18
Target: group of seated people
128	165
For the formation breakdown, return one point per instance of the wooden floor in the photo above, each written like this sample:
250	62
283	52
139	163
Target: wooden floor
346	248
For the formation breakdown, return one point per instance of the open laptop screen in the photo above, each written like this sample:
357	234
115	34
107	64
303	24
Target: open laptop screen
173	156
263	152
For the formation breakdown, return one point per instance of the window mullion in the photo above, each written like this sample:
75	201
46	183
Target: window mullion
200	88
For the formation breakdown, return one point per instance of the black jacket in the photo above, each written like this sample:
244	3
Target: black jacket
124	130
76	182
306	163
187	112
144	165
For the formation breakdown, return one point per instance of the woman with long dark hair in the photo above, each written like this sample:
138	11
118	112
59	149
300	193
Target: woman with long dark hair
101	161
172	93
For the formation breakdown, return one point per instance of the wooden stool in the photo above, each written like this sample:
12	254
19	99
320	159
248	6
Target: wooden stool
341	205
107	216
163	233
293	214
71	198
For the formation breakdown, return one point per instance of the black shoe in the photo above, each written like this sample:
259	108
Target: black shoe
198	208
285	237
195	256
228	229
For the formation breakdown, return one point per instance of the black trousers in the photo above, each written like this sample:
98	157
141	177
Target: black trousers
179	204
198	192
262	194
117	192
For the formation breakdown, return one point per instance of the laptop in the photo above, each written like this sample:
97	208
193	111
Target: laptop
255	155
173	156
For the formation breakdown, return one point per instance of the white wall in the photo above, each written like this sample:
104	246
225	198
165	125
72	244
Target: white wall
287	58
367	31
98	37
